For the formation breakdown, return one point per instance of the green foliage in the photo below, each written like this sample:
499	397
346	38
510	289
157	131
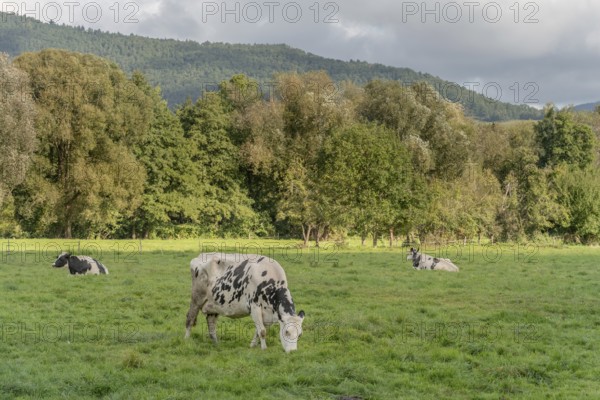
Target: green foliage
301	199
311	112
395	106
114	161
529	205
464	208
432	127
579	193
367	180
171	189
84	178
9	226
17	132
562	140
223	201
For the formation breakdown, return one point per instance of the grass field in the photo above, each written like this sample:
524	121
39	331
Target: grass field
515	322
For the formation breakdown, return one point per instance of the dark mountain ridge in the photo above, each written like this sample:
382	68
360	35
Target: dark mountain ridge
187	68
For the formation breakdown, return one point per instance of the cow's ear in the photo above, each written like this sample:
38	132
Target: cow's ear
68	255
411	249
301	314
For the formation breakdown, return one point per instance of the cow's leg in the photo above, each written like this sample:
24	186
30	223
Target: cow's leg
254	341
191	317
261	331
211	320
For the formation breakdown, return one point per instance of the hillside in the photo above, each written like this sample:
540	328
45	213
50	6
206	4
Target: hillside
185	68
587	106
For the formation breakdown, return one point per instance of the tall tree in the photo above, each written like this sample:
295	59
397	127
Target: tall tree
225	204
578	191
394	105
563	140
367	180
312	108
85	179
301	202
17	132
529	206
432	127
172	195
263	157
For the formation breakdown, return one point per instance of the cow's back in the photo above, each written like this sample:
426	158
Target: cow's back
86	265
227	284
446	265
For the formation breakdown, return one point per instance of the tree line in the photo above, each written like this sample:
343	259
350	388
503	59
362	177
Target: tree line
88	151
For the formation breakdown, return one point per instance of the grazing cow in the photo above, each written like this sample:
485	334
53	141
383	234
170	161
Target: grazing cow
424	261
238	285
82	265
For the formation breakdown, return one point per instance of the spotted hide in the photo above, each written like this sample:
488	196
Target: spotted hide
80	265
424	261
238	285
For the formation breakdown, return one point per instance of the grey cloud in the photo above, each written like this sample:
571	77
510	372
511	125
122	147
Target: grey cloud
559	51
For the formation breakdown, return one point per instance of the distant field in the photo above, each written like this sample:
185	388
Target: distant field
515	322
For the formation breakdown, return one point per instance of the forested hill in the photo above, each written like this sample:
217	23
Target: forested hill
587	106
185	69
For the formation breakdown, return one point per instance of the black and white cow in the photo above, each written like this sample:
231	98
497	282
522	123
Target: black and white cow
424	261
238	285
82	265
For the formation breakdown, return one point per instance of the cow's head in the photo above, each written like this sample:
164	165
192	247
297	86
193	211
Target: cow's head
413	254
61	260
290	330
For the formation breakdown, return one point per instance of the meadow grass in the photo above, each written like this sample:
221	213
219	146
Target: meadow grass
515	322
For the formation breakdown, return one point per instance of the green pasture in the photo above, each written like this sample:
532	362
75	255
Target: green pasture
515	322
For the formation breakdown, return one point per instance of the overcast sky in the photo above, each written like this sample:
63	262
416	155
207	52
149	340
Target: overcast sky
531	52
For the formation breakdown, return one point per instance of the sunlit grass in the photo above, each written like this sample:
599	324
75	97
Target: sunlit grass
515	322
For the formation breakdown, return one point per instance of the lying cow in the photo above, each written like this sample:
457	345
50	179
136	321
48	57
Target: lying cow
82	265
237	285
424	261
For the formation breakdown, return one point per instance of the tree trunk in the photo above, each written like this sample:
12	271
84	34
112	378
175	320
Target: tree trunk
306	234
363	239
68	234
374	239
317	229
391	237
325	235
